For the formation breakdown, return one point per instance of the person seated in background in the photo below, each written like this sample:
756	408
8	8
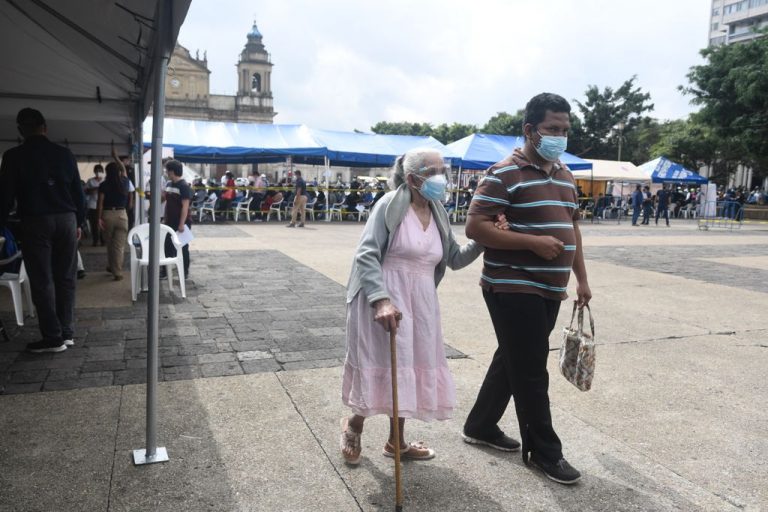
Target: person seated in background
257	189
379	194
600	205
353	198
367	196
319	205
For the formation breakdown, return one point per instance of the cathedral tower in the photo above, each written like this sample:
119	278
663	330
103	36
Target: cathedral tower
254	72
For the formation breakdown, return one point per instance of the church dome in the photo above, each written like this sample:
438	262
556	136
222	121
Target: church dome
254	32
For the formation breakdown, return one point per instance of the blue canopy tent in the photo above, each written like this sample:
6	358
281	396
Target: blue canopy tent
210	141
232	143
663	170
355	149
481	150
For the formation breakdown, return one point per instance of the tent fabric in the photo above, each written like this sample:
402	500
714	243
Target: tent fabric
663	170
369	149
481	150
206	141
610	170
86	65
211	141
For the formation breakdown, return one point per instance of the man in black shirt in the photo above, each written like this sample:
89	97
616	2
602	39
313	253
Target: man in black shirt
177	195
299	202
42	179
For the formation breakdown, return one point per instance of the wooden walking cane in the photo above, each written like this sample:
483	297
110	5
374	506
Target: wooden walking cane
395	417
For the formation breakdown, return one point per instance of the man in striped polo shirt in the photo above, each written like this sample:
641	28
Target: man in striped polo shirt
525	274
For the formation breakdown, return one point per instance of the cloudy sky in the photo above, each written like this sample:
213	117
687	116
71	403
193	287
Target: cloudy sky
346	64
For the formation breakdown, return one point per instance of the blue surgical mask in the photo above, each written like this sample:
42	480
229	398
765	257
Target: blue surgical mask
551	147
433	188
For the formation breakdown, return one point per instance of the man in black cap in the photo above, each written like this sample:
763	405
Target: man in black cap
42	179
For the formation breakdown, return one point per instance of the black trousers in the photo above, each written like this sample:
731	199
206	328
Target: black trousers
170	251
49	246
662	211
522	323
93	224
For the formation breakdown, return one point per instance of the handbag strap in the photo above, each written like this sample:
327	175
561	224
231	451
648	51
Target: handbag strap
591	320
573	315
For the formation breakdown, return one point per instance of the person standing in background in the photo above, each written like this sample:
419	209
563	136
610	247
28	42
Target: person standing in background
115	199
92	199
299	202
42	179
178	197
637	201
662	205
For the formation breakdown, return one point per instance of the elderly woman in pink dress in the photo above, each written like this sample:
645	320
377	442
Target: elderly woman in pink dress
405	247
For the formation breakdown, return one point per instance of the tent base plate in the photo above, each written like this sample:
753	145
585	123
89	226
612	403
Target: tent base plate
140	456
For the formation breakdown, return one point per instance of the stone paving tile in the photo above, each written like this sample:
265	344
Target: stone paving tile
284	317
687	261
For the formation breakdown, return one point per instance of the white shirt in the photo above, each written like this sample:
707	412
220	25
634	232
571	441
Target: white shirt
92	197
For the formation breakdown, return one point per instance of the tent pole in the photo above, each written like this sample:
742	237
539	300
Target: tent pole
139	165
456	202
153	453
327	189
592	191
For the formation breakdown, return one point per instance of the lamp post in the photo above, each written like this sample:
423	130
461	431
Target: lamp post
620	126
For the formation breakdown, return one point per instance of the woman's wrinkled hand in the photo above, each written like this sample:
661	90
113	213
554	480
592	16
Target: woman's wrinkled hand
387	314
501	222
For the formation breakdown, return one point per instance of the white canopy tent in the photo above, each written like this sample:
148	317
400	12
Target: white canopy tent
86	65
611	170
93	68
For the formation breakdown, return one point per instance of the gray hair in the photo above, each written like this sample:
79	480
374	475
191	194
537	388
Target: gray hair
412	162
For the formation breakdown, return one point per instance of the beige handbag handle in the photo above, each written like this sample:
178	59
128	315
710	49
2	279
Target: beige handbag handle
580	322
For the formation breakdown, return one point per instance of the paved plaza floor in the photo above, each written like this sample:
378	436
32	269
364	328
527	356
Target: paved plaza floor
249	398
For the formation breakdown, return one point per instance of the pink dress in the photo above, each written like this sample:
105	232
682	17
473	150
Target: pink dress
425	386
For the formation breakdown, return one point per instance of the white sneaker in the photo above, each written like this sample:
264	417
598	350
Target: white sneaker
69	343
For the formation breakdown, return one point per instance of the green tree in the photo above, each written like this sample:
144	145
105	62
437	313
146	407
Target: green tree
402	128
732	89
451	133
609	115
505	124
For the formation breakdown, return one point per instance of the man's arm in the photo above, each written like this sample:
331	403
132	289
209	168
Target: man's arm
583	293
184	213
76	190
482	229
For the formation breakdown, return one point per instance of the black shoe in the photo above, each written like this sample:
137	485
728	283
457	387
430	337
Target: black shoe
163	274
291	225
560	471
81	274
502	442
301	225
40	347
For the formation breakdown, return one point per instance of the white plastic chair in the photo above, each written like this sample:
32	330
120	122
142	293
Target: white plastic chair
208	206
337	210
243	207
309	208
18	283
276	208
138	263
364	211
671	209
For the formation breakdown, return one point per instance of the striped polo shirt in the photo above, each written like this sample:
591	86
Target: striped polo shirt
537	203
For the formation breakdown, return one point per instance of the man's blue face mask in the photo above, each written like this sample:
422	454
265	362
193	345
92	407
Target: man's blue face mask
551	147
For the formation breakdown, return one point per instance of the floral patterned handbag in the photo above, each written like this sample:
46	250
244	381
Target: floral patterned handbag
577	353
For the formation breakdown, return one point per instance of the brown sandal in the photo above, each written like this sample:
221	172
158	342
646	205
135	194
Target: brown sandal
417	450
350	443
